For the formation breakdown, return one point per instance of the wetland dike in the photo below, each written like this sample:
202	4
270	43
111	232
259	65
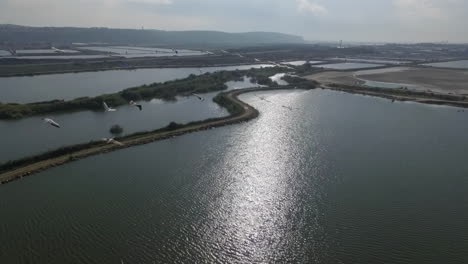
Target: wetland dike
168	91
239	112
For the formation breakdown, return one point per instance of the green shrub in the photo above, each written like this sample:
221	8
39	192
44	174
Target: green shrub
116	130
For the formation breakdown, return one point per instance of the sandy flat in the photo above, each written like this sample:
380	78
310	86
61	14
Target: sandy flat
325	78
423	79
447	81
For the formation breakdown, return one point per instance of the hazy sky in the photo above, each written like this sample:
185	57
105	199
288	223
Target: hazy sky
351	20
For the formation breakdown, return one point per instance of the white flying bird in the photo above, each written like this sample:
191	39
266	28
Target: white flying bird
112	141
58	50
51	122
136	105
107	108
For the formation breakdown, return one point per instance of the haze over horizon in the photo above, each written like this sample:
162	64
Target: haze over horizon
315	20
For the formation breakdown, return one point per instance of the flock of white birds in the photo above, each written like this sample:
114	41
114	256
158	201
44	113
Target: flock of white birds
140	107
51	122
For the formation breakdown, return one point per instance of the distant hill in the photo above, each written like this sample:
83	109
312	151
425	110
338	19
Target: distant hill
66	35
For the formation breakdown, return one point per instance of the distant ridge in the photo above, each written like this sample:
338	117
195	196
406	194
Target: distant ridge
65	35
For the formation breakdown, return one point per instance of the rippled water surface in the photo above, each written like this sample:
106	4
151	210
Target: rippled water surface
337	178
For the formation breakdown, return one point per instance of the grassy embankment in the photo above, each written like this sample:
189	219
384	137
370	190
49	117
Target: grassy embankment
209	82
239	112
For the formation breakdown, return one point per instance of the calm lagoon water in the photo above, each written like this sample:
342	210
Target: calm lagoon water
120	51
133	52
378	61
43	51
245	83
348	66
18	141
72	85
30	136
389	85
462	64
58	57
299	63
340	179
4	53
379	71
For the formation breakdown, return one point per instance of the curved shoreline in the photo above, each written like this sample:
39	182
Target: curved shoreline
248	113
401	98
394	95
356	86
